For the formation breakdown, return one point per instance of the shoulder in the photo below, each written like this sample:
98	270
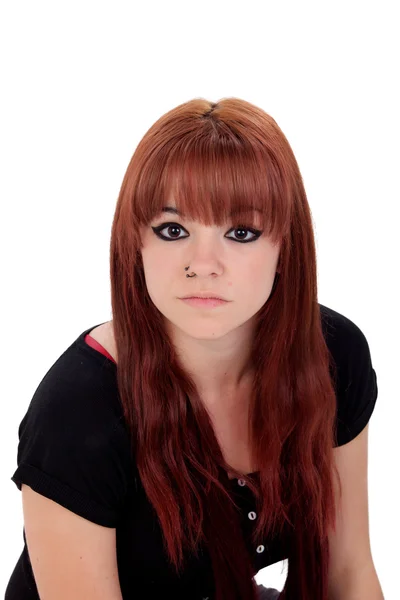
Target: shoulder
340	331
75	406
346	341
74	447
78	383
104	334
355	378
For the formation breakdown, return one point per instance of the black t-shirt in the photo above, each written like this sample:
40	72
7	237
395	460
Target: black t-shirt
74	449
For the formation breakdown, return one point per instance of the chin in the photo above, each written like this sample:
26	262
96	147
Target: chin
205	331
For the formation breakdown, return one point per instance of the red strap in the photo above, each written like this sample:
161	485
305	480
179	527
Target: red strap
95	344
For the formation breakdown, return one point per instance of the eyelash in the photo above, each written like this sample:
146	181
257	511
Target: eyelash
157	230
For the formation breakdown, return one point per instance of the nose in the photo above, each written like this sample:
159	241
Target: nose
205	256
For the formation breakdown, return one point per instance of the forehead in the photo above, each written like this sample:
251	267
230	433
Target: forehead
172	209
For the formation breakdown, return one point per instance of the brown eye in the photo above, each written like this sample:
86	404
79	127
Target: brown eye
241	231
172	230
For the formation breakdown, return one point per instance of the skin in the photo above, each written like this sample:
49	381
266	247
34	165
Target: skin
213	344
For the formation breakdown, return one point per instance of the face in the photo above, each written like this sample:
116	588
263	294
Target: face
237	263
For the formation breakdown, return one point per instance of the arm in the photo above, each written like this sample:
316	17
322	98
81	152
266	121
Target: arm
352	574
71	557
361	585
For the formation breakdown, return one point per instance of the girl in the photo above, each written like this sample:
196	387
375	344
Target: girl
197	437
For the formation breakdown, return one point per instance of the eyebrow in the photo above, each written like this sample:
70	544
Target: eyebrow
175	211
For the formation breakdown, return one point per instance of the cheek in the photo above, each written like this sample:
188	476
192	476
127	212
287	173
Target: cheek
151	272
257	282
261	269
152	263
158	279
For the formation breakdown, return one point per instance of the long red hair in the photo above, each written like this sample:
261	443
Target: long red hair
216	158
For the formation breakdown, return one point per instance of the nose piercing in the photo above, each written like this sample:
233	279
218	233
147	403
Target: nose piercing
193	274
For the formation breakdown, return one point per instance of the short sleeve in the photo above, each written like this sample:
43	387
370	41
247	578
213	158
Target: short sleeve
71	446
357	387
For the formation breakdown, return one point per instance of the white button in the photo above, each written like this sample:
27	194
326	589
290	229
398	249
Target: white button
260	549
252	515
241	482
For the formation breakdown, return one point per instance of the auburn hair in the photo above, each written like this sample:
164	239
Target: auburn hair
217	158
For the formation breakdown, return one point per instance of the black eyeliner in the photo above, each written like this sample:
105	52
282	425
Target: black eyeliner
159	228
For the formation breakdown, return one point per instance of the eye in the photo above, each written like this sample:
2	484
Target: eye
173	230
243	229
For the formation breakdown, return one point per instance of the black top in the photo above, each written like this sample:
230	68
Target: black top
74	449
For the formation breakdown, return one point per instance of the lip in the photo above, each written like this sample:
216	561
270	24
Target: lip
204	302
205	295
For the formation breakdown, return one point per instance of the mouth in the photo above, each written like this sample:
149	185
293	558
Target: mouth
204	296
204	302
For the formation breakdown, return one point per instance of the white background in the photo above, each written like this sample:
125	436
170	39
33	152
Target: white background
81	84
